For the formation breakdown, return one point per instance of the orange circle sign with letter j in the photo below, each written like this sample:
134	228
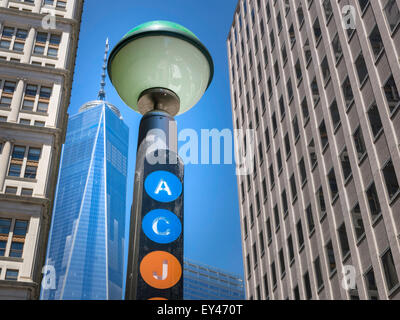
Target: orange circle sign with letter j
160	270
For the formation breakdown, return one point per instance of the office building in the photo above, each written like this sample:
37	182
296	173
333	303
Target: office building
38	43
319	83
202	282
87	236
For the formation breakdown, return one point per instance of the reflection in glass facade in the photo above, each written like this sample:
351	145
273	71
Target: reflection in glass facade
201	282
86	241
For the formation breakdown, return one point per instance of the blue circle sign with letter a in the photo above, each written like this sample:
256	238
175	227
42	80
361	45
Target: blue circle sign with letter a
161	226
163	186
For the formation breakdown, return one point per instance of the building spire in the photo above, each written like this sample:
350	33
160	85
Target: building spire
102	93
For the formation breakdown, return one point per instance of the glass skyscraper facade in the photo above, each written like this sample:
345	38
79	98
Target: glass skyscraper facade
87	236
202	282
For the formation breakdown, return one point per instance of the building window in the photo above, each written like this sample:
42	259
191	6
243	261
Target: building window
284	53
287	144
11	275
391	94
261	238
255	254
300	236
282	262
289	89
16	238
290	248
390	270
13	39
47	44
326	73
271	175
279	160
312	153
248	266
18	160
331	257
284	202
296	293
335	115
279	21
11	190
323	134
361	67
376	41
344	243
318	273
321	202
273	272
307	52
345	162
327	9
375	119
36	98
392	14
317	31
391	181
264	187
7	93
299	74
373	201
302	169
266	287
359	143
347	92
274	123
300	14
269	230
333	183
315	91
293	187
337	48
307	286
245	228
292	35
371	285
357	221
310	219
304	109
276	214
296	130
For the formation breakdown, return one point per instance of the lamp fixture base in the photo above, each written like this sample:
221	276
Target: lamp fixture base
159	99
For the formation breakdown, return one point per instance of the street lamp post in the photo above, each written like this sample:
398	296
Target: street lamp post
160	69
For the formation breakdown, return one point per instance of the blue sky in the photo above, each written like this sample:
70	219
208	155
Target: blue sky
212	223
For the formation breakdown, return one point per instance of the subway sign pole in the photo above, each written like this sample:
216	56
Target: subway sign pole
160	69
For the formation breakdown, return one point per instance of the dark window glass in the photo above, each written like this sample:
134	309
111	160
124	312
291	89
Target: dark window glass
337	47
293	187
307	51
335	114
363	4
359	143
357	221
269	230
371	285
298	70
344	243
287	144
323	134
321	201
327	9
310	219
315	90
5	225
347	92
392	94
312	153
307	286
261	238
303	172
282	261
331	257
333	183
375	119
304	109
300	236
376	41
345	161
361	67
273	272
296	293
279	160
284	202
290	248
373	201
390	270
317	30
296	130
391	181
266	286
300	14
318	273
326	73
276	214
392	14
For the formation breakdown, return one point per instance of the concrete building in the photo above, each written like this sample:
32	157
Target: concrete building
202	282
37	60
319	83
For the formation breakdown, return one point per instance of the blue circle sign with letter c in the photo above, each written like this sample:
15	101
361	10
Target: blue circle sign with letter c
161	226
163	186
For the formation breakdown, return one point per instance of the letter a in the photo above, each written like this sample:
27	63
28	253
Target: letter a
163	186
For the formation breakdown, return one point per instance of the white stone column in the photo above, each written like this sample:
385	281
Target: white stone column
38	5
29	41
4	3
16	101
4	158
30	249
